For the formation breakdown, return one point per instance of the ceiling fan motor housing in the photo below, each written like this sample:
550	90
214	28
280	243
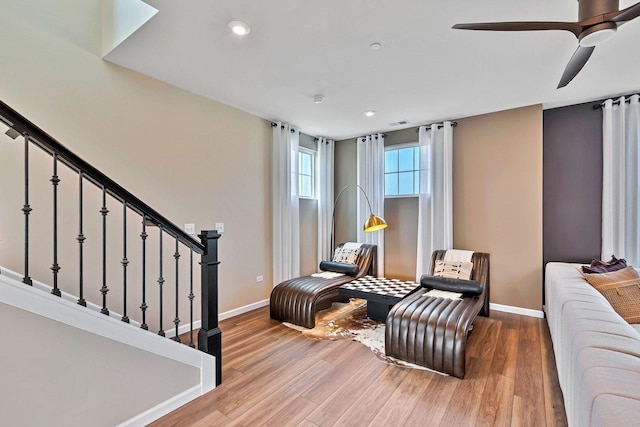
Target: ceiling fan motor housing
590	8
597	34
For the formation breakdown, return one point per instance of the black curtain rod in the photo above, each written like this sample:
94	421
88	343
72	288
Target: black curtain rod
384	135
273	124
437	125
326	140
627	99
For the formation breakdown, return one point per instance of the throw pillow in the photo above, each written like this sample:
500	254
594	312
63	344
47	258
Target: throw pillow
467	287
622	289
346	255
453	269
339	267
598	266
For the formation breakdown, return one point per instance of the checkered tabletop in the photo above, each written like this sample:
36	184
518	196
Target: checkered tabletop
382	286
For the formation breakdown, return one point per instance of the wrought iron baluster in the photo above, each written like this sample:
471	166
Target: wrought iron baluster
80	239
124	262
26	209
104	211
160	282
176	321
143	306
55	268
191	297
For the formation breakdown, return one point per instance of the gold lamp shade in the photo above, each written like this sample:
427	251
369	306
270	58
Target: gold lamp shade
374	223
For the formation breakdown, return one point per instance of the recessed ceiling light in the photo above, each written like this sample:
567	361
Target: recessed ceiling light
375	46
240	28
318	99
370	113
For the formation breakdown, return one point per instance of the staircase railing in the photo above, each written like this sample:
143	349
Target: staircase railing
209	335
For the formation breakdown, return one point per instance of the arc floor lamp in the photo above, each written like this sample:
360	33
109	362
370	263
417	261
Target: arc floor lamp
374	222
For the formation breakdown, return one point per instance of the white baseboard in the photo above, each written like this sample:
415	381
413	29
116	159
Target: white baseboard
517	310
241	310
162	409
222	316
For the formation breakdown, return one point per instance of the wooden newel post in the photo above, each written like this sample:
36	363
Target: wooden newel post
209	336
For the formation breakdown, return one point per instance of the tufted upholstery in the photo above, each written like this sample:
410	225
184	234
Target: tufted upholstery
297	300
432	332
597	353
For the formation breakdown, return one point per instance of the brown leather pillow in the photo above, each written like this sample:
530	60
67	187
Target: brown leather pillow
598	266
622	289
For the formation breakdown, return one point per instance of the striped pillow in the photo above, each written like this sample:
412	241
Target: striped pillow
346	255
453	269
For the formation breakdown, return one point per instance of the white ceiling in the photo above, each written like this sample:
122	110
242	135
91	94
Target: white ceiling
425	71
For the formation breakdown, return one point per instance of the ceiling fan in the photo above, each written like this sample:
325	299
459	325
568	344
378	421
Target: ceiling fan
598	22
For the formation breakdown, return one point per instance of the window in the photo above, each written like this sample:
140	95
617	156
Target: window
402	170
306	173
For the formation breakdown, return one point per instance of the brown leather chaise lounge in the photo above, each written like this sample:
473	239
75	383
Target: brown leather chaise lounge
297	300
432	332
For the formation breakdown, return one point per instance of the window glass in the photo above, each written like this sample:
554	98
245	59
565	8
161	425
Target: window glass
391	184
305	164
402	170
306	173
391	161
405	183
405	159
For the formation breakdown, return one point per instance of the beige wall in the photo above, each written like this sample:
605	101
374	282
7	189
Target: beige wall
192	159
400	240
497	202
497	199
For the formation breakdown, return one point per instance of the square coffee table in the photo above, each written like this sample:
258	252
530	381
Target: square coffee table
381	293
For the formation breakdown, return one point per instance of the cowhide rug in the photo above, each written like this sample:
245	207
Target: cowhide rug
350	321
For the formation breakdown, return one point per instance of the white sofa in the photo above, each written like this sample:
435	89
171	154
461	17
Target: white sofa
597	352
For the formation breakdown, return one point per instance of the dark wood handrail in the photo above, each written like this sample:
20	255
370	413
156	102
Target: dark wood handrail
49	144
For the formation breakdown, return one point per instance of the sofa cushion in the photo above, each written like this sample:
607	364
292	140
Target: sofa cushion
453	269
466	287
340	267
622	289
598	266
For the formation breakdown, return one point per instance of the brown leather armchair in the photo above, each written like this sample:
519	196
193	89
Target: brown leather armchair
432	332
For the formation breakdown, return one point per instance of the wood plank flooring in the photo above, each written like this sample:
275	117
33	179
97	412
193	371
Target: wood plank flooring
274	376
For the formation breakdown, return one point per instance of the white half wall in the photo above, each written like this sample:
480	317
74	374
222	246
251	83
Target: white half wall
66	365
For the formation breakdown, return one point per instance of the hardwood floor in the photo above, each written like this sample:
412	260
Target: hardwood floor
274	376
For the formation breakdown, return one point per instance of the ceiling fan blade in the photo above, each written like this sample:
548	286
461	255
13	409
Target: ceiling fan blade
624	15
572	27
577	61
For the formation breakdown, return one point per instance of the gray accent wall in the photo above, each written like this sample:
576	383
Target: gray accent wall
572	183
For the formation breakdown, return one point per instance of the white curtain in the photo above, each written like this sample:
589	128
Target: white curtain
371	179
286	212
435	205
620	180
325	197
